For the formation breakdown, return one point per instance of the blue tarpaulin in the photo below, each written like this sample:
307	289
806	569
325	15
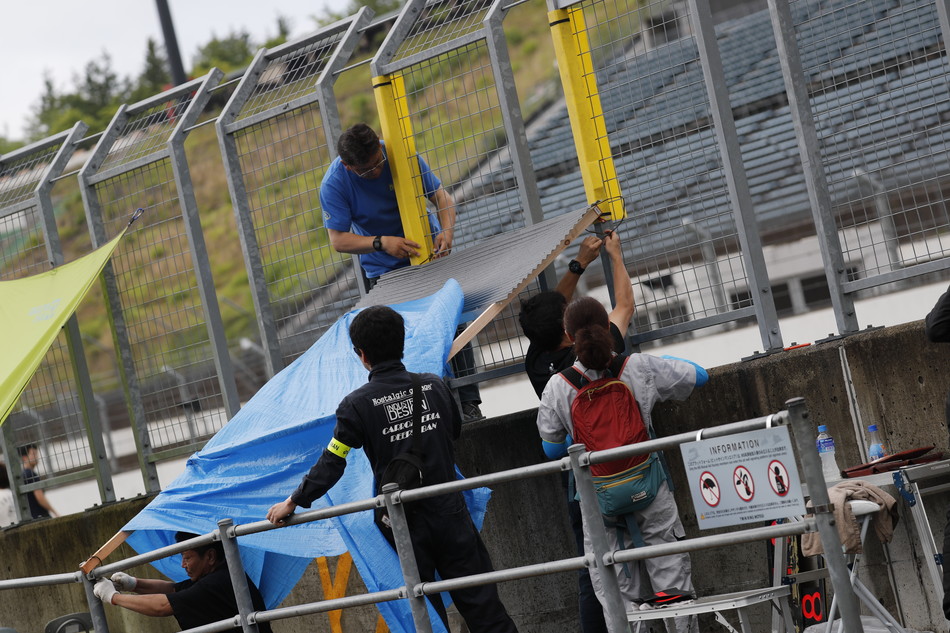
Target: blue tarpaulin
260	456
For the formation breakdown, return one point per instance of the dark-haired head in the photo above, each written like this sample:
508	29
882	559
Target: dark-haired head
588	325
542	319
215	546
357	145
380	333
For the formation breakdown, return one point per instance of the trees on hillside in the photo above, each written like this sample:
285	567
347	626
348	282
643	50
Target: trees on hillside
98	91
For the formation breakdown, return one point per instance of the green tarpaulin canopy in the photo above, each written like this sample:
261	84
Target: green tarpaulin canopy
33	310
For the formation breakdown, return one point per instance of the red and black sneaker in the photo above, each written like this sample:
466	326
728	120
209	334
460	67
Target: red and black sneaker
668	597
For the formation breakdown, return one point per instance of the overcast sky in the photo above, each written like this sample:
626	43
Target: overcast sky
62	36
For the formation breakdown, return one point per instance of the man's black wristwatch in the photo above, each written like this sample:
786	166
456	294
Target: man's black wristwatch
378	243
575	267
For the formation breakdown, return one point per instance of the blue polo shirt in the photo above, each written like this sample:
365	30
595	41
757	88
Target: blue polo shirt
368	207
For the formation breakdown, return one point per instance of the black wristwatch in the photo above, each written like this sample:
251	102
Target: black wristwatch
575	267
378	243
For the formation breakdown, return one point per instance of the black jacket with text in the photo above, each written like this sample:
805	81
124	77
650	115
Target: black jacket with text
377	417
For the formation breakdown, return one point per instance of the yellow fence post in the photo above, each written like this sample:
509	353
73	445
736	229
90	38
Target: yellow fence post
572	49
396	130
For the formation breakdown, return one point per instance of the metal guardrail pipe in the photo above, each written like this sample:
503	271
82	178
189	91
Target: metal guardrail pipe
603	558
504	575
332	605
41	581
716	540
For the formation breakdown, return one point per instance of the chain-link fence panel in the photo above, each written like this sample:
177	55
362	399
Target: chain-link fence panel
659	78
446	95
162	302
278	135
55	413
876	77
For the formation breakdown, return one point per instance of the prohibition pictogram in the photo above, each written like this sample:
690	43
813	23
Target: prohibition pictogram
709	486
778	477
742	480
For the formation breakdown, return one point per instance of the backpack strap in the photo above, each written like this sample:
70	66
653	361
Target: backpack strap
578	380
617	364
574	378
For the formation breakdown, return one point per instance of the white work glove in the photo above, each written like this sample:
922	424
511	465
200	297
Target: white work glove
124	582
104	590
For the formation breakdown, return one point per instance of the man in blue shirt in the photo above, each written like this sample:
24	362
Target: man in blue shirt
360	211
361	215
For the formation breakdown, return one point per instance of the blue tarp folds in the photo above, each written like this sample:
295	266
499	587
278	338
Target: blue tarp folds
260	456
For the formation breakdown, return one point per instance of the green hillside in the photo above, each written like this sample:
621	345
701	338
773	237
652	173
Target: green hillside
532	57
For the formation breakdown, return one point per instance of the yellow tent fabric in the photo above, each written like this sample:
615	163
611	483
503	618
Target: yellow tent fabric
33	310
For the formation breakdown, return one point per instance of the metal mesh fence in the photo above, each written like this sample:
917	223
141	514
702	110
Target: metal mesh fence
880	98
451	112
278	135
181	391
441	22
48	413
682	242
309	284
290	75
163	313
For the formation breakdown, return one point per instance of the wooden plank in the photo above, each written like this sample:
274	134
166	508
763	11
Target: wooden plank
103	552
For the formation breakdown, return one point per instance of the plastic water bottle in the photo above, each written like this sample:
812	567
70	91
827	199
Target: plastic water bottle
876	448
826	451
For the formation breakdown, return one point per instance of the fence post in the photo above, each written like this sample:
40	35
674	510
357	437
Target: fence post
824	517
96	612
737	183
242	594
796	85
582	98
407	558
614	611
128	374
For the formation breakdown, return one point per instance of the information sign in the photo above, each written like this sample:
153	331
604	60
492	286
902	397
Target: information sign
744	478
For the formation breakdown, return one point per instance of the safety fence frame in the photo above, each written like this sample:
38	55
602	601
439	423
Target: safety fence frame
338	41
435	46
836	203
151	134
584	80
601	558
51	156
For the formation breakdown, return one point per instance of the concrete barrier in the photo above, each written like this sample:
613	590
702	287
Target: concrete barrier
892	377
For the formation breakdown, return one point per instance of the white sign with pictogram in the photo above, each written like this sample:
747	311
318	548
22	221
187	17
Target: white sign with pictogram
778	477
745	485
710	489
727	478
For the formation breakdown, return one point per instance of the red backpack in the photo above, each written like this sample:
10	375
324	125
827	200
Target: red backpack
606	415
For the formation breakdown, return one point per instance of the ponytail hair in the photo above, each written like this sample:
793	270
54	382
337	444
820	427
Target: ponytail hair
586	321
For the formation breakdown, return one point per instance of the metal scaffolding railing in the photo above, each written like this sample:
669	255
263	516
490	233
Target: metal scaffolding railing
719	147
600	557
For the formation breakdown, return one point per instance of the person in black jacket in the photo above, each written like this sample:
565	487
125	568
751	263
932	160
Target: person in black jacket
937	328
377	417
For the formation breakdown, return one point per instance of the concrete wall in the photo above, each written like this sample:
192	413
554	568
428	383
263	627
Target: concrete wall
897	380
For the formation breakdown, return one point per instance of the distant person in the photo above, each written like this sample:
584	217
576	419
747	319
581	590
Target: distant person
444	539
207	596
937	329
40	506
361	215
7	499
651	380
550	351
